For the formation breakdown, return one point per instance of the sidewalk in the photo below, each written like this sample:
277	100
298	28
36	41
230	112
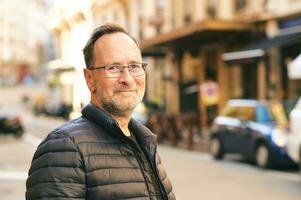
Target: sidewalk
200	142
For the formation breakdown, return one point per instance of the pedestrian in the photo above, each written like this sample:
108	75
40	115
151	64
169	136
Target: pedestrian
104	154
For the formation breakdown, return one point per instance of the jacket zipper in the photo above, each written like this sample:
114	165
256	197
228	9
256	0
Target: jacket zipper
140	166
144	176
154	169
134	145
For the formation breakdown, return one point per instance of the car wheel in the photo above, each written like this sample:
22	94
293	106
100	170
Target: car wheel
216	148
262	156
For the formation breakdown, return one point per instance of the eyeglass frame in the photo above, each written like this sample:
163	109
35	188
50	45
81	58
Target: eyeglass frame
143	65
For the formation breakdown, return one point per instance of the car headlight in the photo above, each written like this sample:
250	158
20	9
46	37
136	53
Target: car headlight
279	137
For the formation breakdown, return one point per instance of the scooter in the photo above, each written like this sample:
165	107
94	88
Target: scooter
11	125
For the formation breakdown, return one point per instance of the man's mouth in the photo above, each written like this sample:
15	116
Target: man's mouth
124	91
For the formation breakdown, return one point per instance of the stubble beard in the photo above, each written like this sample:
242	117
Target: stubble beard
114	107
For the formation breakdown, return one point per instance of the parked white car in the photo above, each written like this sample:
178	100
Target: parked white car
294	142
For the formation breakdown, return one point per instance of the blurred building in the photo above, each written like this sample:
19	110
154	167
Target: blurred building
191	39
23	37
71	24
265	61
198	41
241	47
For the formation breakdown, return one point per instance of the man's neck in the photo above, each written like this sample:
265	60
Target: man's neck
123	124
123	120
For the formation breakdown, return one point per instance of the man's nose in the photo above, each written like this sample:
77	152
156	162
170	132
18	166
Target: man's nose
125	74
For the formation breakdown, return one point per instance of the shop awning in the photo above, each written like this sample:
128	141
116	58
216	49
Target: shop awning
195	34
257	50
59	65
294	68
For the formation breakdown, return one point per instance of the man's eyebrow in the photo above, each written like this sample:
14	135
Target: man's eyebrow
119	63
135	61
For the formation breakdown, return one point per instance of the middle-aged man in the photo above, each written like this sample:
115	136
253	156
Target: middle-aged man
104	154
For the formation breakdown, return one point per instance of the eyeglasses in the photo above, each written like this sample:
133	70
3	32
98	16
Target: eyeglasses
114	71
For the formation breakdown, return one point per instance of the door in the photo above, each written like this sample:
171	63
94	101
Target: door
249	81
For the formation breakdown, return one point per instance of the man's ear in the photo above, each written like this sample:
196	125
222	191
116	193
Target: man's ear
89	80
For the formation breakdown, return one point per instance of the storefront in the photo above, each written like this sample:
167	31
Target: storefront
192	57
262	67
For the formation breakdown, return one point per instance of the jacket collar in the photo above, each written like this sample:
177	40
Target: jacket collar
99	117
143	135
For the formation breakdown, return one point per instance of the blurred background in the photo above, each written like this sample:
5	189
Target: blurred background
200	55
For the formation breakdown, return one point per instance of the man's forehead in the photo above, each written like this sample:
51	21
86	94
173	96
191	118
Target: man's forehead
116	47
114	37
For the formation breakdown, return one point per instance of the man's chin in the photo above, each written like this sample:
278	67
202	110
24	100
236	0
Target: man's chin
121	108
125	100
126	95
122	111
126	108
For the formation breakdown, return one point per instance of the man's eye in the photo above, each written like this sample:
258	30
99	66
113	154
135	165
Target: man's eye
134	66
113	68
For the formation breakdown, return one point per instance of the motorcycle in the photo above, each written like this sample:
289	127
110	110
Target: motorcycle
11	125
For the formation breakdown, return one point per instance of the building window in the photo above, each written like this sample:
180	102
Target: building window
161	4
188	11
141	20
141	25
158	19
211	9
288	23
240	5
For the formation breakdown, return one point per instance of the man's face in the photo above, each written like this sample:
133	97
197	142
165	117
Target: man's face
118	96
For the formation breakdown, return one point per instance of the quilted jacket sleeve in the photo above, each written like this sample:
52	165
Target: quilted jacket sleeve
165	180
56	170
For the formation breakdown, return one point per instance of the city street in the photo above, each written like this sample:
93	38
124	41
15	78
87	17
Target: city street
209	78
194	175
